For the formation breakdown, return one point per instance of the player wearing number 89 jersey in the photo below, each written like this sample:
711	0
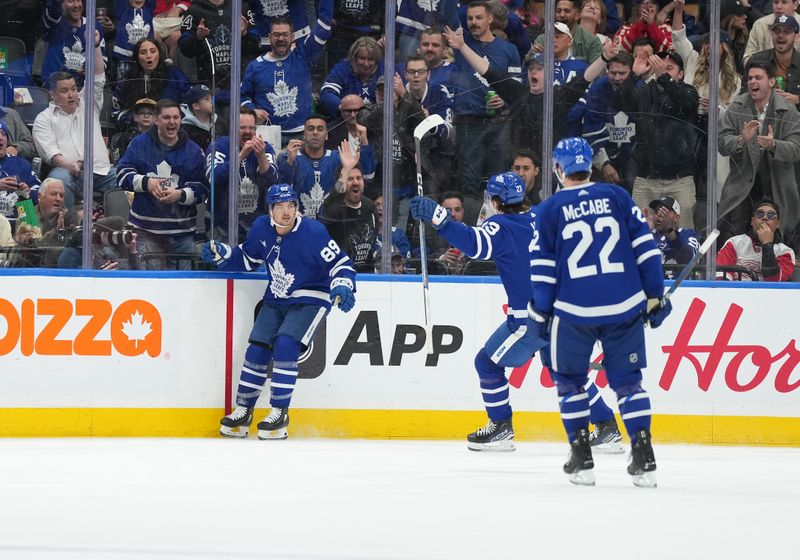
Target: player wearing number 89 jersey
593	269
307	272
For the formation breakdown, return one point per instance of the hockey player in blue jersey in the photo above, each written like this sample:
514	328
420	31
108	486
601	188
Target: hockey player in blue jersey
595	272
307	271
505	238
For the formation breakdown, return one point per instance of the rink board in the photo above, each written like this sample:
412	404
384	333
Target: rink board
158	354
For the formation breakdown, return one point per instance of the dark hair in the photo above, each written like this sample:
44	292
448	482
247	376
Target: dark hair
767	67
248	111
134	86
166	103
339	168
642	42
526	153
518	208
416	58
283	20
623	57
766	201
479	4
575	3
580	175
450	194
433	30
59	76
316	116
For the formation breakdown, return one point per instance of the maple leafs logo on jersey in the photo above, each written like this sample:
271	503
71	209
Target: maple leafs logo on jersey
136	328
281	279
248	196
428	5
137	28
312	201
222	35
621	131
164	172
274	8
283	99
74	58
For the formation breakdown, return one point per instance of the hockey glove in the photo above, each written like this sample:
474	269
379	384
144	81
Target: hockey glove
345	296
539	323
660	312
427	210
215	252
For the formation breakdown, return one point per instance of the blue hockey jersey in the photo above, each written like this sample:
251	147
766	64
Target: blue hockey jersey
506	239
342	81
567	70
66	49
469	87
414	17
182	166
681	249
609	121
302	265
314	178
13	166
442	75
594	260
252	187
282	86
133	24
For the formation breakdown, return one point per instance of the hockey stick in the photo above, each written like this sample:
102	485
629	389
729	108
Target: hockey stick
651	304
213	133
429	124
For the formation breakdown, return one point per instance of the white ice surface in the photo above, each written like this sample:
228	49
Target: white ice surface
340	499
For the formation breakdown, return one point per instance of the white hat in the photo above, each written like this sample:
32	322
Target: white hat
563	28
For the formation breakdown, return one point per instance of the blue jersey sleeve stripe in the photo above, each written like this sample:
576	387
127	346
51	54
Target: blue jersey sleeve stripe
647	255
643	239
543	262
545	279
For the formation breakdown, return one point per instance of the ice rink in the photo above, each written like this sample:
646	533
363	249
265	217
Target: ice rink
380	500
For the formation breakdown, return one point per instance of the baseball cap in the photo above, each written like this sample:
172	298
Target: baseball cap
767	202
381	80
786	21
667	201
563	28
672	55
196	93
532	57
5	131
145	103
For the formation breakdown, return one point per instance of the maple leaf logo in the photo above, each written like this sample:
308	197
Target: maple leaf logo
280	279
621	131
136	328
283	99
312	201
428	5
137	29
248	196
274	8
74	57
164	171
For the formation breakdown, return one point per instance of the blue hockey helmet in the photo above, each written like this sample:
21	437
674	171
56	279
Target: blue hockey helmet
281	192
573	155
508	187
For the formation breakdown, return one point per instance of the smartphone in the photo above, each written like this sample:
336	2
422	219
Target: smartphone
101	12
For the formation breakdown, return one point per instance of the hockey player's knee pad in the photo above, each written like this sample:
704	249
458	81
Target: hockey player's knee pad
259	343
486	368
568	384
287	349
625	380
258	353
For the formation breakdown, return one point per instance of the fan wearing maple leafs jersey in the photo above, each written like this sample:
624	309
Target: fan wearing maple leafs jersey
257	171
165	171
307	271
268	11
278	84
65	30
134	21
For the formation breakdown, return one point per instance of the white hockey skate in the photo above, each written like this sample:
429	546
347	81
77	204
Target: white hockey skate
274	426
237	423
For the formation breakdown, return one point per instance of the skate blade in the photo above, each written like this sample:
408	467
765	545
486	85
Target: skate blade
505	446
281	433
609	448
645	480
583	478
238	432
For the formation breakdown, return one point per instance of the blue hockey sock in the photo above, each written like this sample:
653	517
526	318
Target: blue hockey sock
254	374
634	406
284	371
574	405
494	388
599	410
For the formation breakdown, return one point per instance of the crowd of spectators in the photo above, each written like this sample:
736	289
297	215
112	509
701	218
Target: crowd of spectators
631	77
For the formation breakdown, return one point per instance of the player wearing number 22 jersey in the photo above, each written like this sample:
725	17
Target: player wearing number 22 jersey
594	266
